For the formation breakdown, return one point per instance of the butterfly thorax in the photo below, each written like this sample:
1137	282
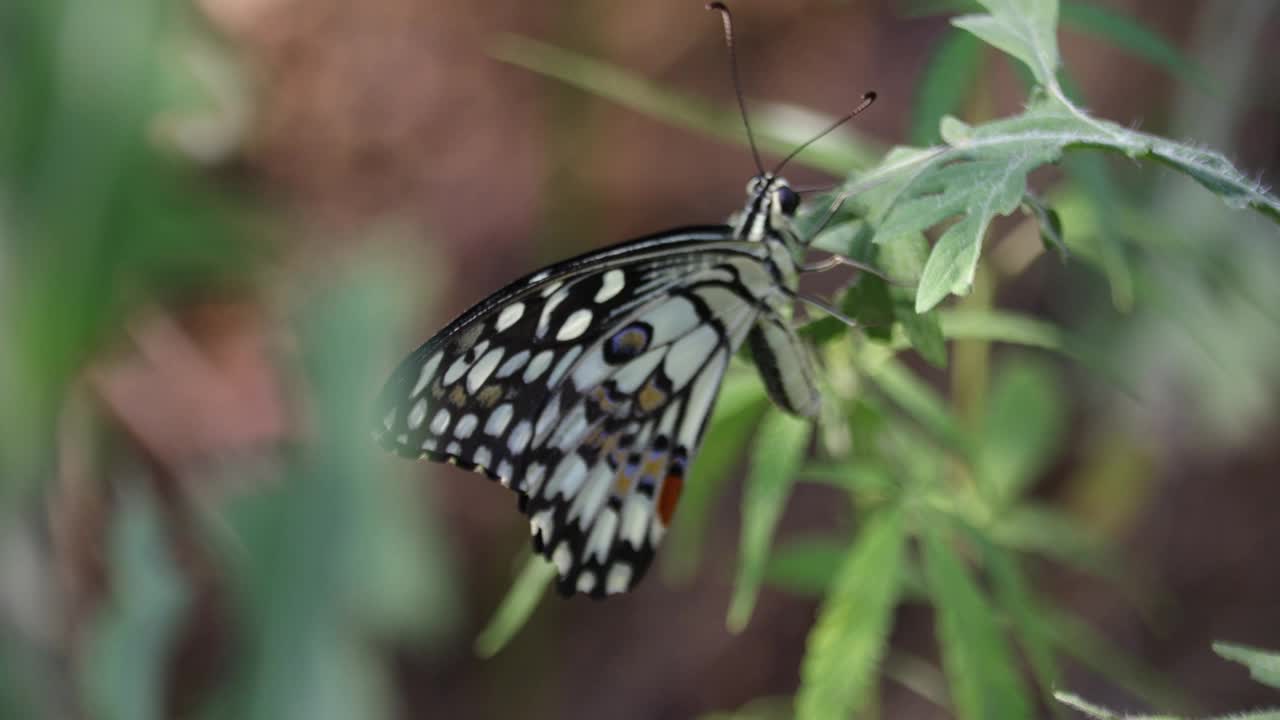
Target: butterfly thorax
768	218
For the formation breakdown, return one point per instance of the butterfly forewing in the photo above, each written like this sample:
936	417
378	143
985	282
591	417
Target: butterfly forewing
586	388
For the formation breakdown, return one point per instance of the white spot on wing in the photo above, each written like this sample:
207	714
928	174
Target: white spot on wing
568	476
538	365
533	478
509	316
505	471
418	413
440	421
498	419
482	457
619	578
466	425
596	490
513	363
519	439
602	534
576	324
586	581
549	415
428	370
563	558
635	519
611	284
541	524
484	367
563	365
544	321
456	370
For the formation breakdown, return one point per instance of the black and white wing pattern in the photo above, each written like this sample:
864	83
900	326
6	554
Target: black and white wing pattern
585	388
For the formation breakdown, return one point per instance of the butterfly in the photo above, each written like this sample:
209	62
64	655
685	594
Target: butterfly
586	387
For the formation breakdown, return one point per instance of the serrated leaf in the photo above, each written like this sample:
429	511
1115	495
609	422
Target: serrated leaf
980	189
948	78
984	173
1264	665
1025	29
779	451
738	407
985	680
850	636
516	607
1021	429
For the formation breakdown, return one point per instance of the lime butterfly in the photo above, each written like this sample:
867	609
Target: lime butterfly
585	387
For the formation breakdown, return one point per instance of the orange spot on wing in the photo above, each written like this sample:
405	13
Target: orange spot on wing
669	496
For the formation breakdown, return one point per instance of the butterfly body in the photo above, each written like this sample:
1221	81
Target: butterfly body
585	387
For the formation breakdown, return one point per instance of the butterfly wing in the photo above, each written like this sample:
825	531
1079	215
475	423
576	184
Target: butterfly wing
585	388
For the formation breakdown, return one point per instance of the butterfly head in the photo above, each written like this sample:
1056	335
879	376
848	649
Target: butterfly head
771	208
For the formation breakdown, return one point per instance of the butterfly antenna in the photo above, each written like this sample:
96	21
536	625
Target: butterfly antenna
737	80
867	99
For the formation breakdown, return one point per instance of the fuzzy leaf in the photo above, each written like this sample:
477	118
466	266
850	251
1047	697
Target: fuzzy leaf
1025	29
849	639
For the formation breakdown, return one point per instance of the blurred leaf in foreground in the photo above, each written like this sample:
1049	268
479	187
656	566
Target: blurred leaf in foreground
125	667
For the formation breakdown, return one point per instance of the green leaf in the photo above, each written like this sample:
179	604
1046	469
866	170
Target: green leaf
738	408
1046	531
1131	35
850	636
777	132
983	173
1003	326
1012	592
1021	430
985	681
516	607
1264	666
806	565
949	77
124	671
921	401
1025	29
903	260
779	450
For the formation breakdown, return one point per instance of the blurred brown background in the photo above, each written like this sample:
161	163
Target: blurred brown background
391	115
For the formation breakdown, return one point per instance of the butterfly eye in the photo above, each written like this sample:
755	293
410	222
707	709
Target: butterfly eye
788	200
